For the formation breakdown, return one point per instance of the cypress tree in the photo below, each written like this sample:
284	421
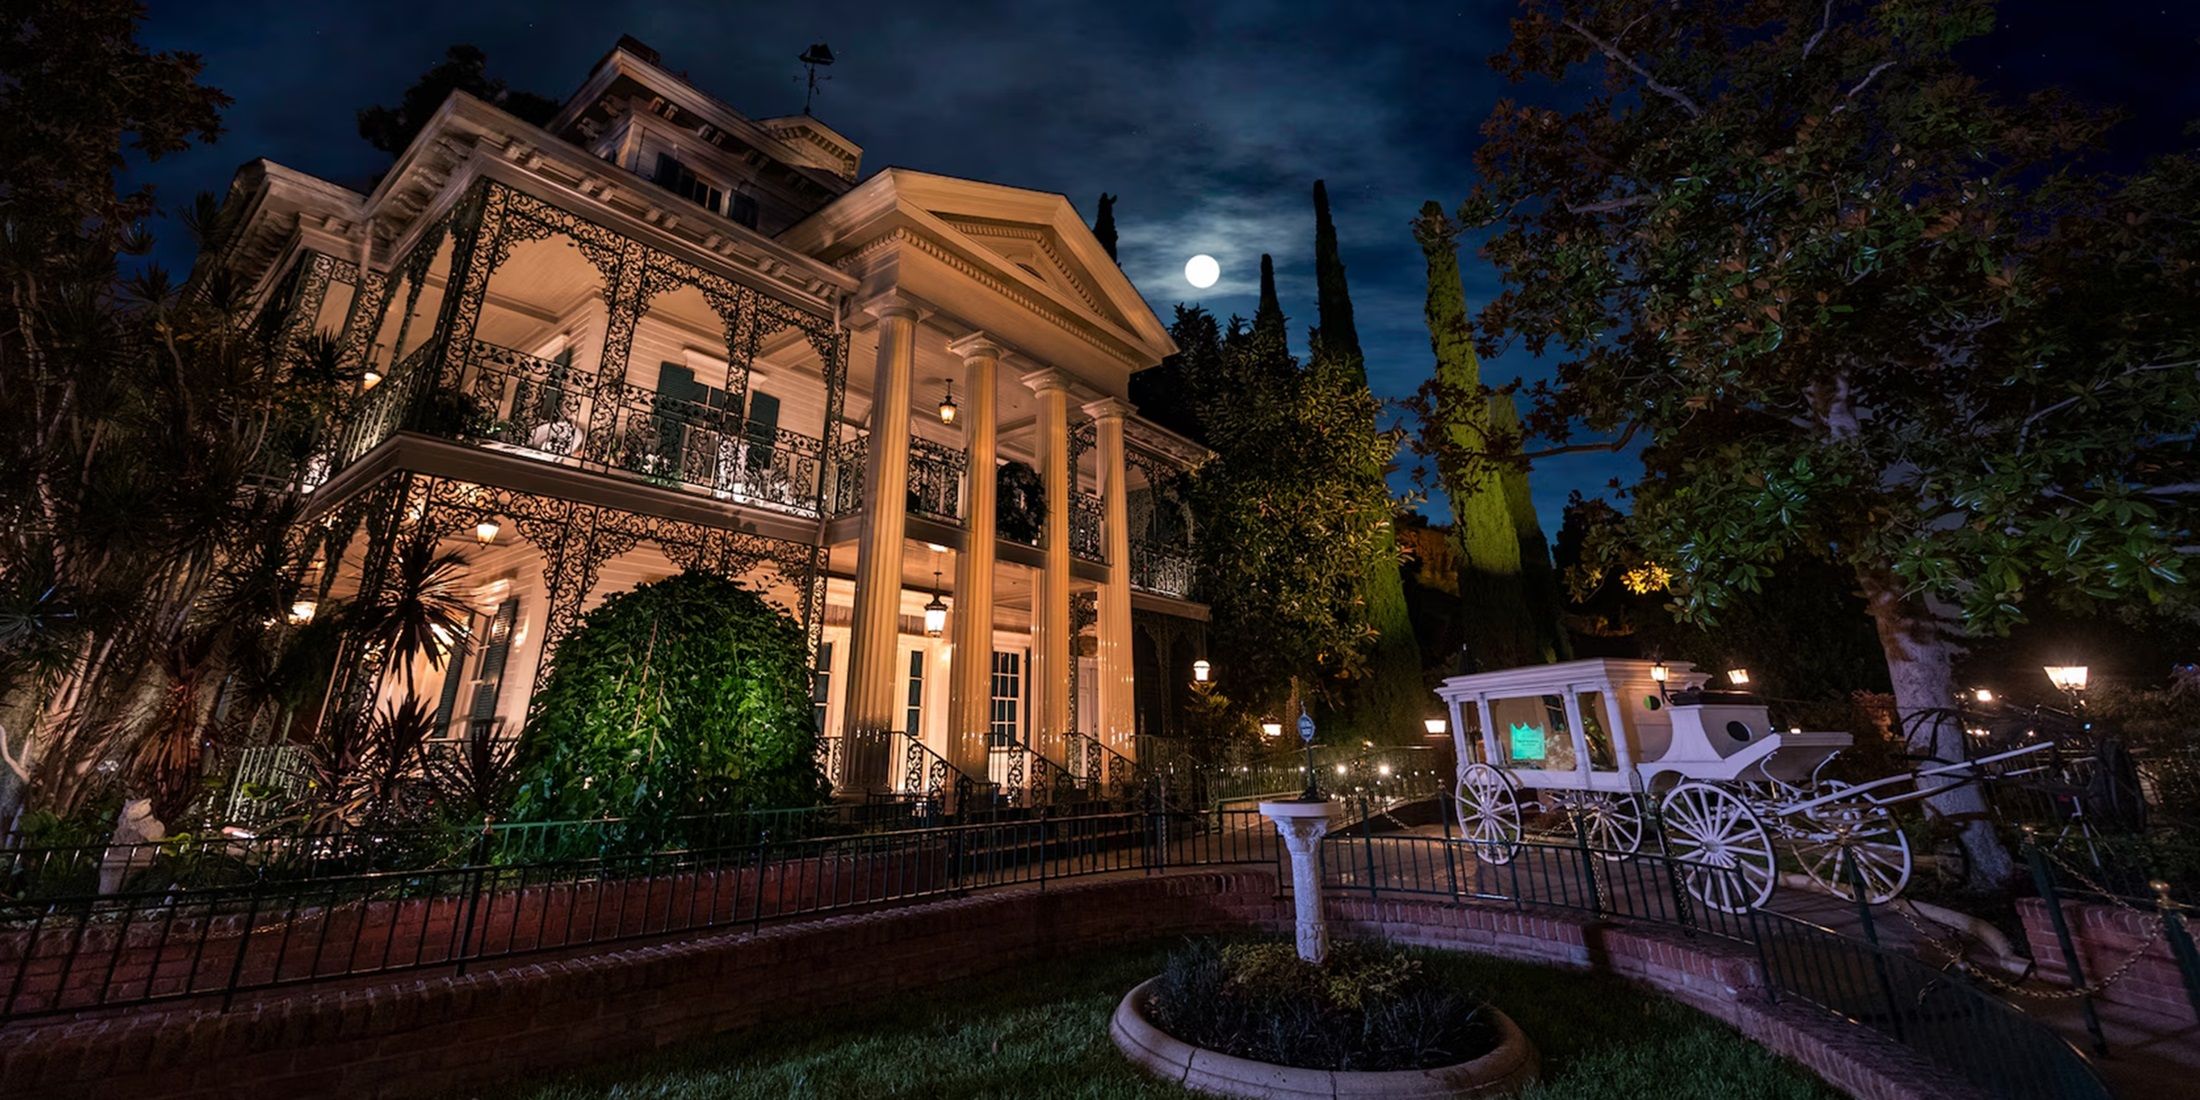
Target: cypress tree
1500	631
1333	300
1539	581
1386	705
1104	227
1268	323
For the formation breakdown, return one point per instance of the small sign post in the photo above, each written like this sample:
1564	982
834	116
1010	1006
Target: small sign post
1313	792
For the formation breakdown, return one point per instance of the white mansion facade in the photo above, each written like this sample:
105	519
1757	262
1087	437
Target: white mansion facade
599	352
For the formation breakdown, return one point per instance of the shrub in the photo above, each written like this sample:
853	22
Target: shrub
1363	1008
684	696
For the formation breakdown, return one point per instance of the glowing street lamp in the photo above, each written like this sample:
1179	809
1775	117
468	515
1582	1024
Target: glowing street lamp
1739	677
1271	729
1983	695
2068	679
1659	672
301	612
1202	672
1434	726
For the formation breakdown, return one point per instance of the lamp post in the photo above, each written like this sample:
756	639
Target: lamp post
2071	681
1313	791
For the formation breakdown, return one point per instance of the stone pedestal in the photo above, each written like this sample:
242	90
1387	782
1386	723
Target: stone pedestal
1303	824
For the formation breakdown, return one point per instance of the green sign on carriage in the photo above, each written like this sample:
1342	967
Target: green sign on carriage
1527	742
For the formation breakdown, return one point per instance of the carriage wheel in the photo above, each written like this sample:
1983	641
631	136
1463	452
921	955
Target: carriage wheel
1724	851
1612	824
1489	812
1864	833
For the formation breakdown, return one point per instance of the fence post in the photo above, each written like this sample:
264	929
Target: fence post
2045	881
244	944
1451	859
1367	845
1588	862
763	852
2180	943
473	897
1855	875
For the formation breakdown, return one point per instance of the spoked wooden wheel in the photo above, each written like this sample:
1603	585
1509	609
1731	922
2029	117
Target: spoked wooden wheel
1724	850
1489	812
1836	835
1613	824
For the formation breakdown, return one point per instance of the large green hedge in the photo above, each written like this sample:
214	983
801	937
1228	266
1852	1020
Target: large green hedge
683	696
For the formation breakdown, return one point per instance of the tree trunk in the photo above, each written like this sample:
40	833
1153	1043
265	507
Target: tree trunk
1921	665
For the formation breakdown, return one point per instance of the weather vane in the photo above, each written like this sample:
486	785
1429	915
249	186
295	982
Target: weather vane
817	56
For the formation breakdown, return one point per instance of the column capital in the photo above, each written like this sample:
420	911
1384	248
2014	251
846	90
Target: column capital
1046	380
977	345
891	303
1109	408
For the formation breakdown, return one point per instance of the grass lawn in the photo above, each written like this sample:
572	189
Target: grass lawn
1042	1031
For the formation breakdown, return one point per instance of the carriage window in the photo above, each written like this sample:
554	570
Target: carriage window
1532	733
1601	754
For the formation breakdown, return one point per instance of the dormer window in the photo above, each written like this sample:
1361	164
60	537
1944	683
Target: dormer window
680	180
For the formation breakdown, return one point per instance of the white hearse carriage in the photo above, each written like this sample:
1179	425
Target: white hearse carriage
1588	747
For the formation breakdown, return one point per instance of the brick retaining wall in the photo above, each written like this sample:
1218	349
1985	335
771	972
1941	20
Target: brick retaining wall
438	1035
2105	936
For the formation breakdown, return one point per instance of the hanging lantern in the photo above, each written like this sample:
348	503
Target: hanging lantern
486	531
935	611
948	408
370	379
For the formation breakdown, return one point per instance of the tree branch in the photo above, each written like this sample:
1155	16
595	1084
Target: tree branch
1609	205
1613	447
1862	84
1694	109
1824	25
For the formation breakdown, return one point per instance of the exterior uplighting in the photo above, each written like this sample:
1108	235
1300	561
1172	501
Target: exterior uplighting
2067	678
1739	677
935	610
301	612
948	408
1271	729
1434	726
486	531
1202	671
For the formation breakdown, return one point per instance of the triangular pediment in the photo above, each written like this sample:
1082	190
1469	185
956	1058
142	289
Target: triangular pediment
1040	252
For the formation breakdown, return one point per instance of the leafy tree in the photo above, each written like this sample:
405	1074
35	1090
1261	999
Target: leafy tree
1938	350
464	68
1454	410
1387	704
1103	229
144	577
1288	523
679	697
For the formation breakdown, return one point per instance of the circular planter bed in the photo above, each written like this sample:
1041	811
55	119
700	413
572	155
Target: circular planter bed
1503	1071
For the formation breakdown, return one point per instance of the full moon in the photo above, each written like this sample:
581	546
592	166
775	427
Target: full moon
1202	271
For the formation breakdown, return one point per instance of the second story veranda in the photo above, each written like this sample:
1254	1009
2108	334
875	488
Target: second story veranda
611	328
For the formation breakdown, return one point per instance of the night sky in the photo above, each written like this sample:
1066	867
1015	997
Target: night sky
1210	121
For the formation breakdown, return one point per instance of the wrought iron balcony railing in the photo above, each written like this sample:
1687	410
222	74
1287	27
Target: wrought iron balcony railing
556	411
936	480
1162	570
1085	522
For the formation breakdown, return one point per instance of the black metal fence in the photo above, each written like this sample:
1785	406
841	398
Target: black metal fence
108	950
1943	1017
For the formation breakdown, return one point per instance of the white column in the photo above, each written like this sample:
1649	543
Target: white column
872	706
1050	650
1118	710
970	683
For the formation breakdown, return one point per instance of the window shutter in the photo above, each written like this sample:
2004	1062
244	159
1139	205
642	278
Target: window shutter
490	681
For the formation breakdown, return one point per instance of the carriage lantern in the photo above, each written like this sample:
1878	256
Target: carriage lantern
1434	726
2069	679
1739	677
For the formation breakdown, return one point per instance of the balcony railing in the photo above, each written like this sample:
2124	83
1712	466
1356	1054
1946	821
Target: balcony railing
935	480
1161	570
1085	514
512	401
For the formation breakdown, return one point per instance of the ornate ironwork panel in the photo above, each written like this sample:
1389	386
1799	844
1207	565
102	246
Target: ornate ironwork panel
1085	539
935	479
1162	570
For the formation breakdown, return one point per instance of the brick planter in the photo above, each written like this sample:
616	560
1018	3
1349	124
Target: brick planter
2105	936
